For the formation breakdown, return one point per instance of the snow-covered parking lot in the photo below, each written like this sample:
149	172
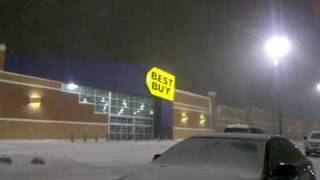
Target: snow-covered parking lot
81	160
77	160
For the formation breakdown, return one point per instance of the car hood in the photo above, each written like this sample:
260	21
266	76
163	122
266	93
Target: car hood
157	172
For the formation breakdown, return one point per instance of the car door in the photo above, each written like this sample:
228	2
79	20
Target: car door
283	151
294	157
275	156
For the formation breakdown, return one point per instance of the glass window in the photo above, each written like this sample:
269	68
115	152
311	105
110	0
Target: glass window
148	137
115	129
101	109
139	136
294	156
115	136
86	90
127	129
102	93
113	110
101	100
124	110
119	120
315	136
276	155
113	95
87	99
149	130
139	130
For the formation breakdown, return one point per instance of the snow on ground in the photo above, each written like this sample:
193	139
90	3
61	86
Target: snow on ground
77	160
83	160
94	153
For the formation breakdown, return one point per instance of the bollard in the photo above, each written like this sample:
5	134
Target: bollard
72	138
85	137
37	161
5	160
96	138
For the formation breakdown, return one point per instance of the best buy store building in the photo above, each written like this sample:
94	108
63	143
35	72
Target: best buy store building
53	99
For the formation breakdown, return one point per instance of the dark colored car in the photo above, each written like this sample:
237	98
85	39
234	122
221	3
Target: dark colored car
243	129
228	157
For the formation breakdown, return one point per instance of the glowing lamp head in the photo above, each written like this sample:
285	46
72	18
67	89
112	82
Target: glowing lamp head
202	119
318	87
277	47
72	86
184	117
35	101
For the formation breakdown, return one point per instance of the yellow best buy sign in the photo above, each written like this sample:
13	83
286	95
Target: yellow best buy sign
161	83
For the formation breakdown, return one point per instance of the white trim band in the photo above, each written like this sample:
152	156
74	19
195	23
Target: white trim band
29	84
192	94
191	106
52	121
28	76
192	110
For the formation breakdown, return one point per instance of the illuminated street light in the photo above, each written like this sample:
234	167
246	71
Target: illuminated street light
277	47
318	86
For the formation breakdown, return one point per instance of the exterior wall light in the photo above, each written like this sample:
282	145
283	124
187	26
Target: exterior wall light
35	101
184	117
202	119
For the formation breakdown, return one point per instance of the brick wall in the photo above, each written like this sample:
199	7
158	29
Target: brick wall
58	116
192	115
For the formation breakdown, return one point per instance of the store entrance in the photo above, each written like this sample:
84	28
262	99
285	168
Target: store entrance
131	128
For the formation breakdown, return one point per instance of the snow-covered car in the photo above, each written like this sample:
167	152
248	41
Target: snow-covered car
228	157
312	143
242	128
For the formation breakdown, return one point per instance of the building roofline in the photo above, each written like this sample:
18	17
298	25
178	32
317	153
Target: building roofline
28	76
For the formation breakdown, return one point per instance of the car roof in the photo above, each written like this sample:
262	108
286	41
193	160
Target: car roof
241	126
264	137
238	126
314	132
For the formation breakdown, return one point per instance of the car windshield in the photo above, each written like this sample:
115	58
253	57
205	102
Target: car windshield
217	152
315	136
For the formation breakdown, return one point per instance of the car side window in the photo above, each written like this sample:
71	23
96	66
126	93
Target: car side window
276	154
294	156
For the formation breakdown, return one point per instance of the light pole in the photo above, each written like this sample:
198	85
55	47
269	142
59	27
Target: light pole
276	48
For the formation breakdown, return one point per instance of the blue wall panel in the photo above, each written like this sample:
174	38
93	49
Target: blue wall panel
119	77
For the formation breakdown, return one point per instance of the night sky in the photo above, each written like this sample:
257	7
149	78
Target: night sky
211	44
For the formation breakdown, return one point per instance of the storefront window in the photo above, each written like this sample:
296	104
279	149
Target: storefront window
131	117
87	99
88	91
101	109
